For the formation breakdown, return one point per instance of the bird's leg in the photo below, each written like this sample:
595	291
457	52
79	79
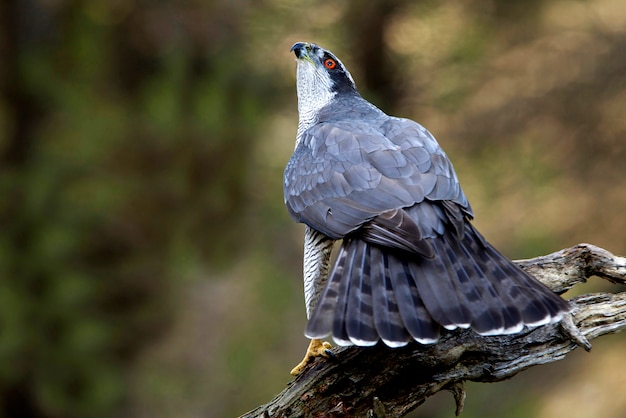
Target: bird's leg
317	250
317	348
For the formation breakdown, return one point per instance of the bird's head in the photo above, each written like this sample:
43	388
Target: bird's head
320	76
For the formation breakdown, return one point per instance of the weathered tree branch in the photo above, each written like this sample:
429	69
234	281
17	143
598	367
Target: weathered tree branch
379	381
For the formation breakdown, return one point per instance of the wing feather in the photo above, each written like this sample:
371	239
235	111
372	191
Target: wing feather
344	174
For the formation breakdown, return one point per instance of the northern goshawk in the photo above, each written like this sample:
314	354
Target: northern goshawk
410	263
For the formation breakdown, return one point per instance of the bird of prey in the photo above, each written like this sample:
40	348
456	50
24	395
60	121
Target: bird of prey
410	263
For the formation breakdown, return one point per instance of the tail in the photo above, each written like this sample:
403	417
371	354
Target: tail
374	293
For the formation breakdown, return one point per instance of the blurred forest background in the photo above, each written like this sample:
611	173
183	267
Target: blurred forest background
148	267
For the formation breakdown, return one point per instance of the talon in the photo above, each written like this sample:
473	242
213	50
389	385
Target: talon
326	346
317	348
329	354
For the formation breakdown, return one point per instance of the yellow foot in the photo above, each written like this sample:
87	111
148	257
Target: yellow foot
317	348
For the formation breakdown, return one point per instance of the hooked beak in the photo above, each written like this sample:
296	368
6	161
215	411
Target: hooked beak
302	51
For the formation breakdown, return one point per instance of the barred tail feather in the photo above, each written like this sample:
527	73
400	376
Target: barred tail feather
493	312
349	271
374	293
359	325
418	322
535	303
548	308
387	316
436	283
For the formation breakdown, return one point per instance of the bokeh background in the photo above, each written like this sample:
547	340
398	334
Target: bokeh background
148	267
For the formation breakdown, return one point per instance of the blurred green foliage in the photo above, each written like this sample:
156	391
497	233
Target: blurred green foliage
122	164
147	265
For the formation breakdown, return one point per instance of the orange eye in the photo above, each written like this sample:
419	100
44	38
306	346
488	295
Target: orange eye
330	63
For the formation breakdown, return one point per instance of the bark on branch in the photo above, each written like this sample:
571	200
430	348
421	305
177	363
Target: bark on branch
384	382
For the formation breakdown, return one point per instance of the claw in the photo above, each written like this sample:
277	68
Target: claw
330	355
317	348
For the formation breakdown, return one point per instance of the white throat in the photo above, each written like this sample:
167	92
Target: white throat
314	92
